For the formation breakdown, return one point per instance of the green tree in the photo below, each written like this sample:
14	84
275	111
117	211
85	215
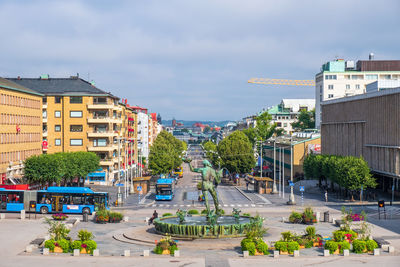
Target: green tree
251	134
305	121
212	152
265	128
236	153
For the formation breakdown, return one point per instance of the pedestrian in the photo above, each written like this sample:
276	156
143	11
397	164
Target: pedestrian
326	196
155	215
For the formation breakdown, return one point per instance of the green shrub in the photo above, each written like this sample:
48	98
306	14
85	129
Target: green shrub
172	249
221	212
204	212
301	241
371	245
90	245
287	236
115	217
310	230
84	235
343	245
250	246
332	246
64	244
57	229
292	246
262	247
167	214
281	246
309	244
77	244
247	214
359	246
339	235
158	250
295	217
354	235
193	212
50	244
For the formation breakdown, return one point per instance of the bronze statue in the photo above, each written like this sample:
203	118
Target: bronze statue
210	180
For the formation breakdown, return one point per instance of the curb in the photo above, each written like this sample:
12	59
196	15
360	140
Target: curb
244	194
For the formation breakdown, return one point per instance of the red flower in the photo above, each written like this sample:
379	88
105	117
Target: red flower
84	246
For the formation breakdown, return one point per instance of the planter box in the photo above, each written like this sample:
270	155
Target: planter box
284	253
58	250
302	247
337	252
166	252
256	253
316	244
83	251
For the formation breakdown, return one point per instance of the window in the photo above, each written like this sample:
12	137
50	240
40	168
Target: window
371	76
99	100
76	128
44	114
57	99
57	114
357	86
285	125
57	128
75	114
75	99
320	88
330	77
75	142
44	100
330	87
357	77
330	96
279	124
347	86
100	142
57	142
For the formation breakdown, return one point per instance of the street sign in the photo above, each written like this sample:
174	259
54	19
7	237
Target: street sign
291	183
119	184
139	188
301	188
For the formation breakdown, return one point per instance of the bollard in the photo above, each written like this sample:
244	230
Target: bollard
76	252
333	220
377	252
276	253
2	216
46	251
96	253
346	252
177	253
391	249
283	219
318	216
326	253
22	214
127	253
245	254
126	219
146	253
385	248
296	253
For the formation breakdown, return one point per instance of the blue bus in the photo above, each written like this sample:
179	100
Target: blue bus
53	200
165	189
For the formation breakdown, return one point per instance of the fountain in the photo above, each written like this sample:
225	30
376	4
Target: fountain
211	225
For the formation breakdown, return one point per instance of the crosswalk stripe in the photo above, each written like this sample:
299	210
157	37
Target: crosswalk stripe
246	205
239	205
175	205
167	205
232	205
225	205
253	205
181	205
161	205
154	205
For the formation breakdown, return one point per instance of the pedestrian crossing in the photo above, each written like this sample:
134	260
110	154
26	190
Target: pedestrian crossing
202	206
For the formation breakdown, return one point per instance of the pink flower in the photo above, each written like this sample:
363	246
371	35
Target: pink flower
84	246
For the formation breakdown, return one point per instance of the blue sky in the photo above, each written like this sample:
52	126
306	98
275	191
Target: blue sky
192	59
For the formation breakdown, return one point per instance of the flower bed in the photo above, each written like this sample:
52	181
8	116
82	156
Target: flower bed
106	216
59	216
166	246
255	246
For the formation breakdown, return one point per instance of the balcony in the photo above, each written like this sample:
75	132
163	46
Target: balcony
106	162
44	120
44	134
102	148
104	119
44	106
100	106
117	108
102	134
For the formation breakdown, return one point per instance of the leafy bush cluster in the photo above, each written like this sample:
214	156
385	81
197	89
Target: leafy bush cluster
253	245
284	246
167	214
59	216
307	217
104	216
361	246
64	242
193	212
166	244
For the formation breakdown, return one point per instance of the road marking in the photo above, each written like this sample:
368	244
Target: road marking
225	205
167	205
246	205
161	205
181	205
232	205
154	205
175	205
239	205
253	205
260	206
187	205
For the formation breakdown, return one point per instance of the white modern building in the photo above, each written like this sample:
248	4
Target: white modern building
340	78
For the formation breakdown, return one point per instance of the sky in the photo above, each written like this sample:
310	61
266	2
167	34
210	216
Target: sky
191	59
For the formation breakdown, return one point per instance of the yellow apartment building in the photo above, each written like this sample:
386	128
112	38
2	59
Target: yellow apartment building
77	116
20	128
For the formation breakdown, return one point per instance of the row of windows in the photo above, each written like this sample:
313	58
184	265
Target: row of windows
57	114
6	157
72	100
72	142
14	138
72	128
19	119
19	101
330	87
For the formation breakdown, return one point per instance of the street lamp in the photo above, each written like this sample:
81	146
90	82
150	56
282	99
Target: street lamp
291	198
274	185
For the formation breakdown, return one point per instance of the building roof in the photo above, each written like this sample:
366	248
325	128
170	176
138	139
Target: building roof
17	87
61	86
296	104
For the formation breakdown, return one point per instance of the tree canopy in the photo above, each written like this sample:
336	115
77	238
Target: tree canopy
306	120
236	153
212	153
165	153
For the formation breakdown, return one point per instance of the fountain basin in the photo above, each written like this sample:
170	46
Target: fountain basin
196	226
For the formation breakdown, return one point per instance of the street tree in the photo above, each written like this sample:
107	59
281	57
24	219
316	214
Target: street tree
236	153
306	120
212	152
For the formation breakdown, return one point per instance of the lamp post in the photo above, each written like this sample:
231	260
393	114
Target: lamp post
280	170
274	185
119	197
283	172
291	198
